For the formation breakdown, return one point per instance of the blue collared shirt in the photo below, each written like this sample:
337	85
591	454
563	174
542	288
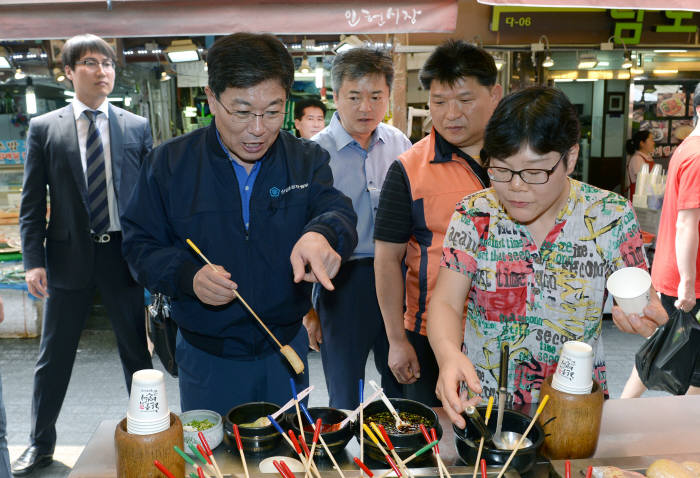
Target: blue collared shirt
245	181
360	173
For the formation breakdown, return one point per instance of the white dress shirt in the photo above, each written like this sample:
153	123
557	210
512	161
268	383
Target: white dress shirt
102	124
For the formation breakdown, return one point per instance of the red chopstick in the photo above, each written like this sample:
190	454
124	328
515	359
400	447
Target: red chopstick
433	433
567	469
163	469
589	472
304	446
385	437
205	444
294	441
393	465
284	465
279	468
363	467
484	473
200	473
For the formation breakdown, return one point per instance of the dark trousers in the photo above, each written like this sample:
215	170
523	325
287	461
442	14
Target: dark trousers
221	383
352	325
668	302
65	313
423	389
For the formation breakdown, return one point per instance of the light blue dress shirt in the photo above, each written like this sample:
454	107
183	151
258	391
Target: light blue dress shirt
360	173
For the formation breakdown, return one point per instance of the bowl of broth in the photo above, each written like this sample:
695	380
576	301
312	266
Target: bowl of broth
336	438
406	440
258	435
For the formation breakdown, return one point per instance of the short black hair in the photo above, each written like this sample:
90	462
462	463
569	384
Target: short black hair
640	136
457	59
541	117
242	60
360	62
301	105
77	46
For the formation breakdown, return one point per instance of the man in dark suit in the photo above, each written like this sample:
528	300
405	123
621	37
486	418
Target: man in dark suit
88	154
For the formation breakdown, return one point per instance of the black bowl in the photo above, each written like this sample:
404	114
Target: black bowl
335	440
253	439
405	444
467	441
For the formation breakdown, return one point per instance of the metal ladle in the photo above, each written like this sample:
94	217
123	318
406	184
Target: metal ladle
505	440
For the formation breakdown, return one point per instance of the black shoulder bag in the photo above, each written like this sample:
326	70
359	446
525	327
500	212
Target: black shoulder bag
162	331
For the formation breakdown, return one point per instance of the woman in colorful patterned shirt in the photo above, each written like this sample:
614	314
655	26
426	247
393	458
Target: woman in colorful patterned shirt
530	256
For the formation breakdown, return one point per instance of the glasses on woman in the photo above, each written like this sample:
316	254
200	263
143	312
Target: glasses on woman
529	176
244	117
93	64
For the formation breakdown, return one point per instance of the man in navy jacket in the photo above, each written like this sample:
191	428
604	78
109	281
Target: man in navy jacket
260	204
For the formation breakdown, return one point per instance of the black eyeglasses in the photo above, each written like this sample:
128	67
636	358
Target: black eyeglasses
529	176
92	63
268	117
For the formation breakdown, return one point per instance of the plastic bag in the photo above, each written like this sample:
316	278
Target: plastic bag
666	361
162	331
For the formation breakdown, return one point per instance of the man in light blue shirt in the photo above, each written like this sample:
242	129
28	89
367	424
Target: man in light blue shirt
362	148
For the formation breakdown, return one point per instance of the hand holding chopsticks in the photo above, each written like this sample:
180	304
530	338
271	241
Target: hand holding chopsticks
286	350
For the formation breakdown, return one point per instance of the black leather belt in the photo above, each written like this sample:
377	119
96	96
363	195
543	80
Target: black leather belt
105	237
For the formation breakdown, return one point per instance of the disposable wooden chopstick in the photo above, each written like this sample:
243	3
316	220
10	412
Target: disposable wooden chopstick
209	454
204	458
288	352
317	433
522	438
363	467
427	447
489	407
323	442
291	403
237	434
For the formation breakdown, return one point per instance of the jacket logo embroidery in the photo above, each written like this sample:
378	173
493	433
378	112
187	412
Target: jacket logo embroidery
276	192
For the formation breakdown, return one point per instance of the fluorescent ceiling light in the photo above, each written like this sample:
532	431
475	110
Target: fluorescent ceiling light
670	51
586	79
665	71
115	98
182	50
603	63
30	99
319	72
563	80
585	62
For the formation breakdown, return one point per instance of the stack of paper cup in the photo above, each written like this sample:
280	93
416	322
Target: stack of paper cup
148	404
575	369
630	288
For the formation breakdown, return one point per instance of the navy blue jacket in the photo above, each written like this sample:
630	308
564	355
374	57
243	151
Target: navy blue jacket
187	189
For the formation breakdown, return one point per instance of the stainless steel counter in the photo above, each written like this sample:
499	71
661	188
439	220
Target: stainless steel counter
631	432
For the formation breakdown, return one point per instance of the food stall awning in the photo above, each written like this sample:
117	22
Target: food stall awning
691	5
41	19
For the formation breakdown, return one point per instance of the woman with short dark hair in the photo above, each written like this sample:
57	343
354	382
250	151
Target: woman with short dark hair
639	148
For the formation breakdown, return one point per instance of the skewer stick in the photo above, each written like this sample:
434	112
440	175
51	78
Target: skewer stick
390	446
317	433
188	459
296	405
209	454
363	467
286	350
362	435
163	469
489	407
237	434
290	443
522	438
484	473
412	457
323	442
202	455
442	469
381	449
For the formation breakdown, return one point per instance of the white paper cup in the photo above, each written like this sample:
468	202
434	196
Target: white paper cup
148	401
136	427
574	372
630	288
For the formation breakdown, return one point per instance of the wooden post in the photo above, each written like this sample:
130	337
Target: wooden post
399	109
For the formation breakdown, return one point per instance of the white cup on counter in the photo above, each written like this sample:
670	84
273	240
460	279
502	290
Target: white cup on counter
148	410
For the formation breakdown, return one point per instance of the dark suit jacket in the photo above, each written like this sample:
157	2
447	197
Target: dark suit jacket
65	248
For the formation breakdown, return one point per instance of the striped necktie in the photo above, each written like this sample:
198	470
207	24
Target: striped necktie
96	179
